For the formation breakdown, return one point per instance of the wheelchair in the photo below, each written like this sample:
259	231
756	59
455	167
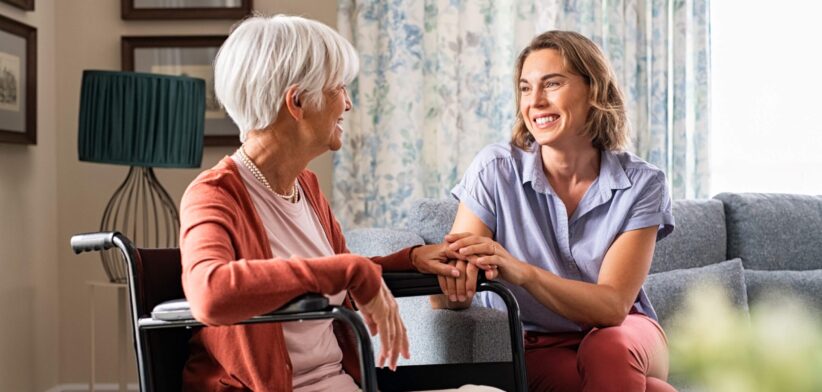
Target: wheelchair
163	324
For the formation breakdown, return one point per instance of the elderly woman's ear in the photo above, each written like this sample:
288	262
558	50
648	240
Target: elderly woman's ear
293	103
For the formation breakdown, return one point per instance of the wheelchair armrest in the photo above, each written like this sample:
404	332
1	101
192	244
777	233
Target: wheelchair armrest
177	314
304	303
178	309
411	284
173	310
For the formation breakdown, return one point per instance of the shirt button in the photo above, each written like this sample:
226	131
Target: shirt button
572	266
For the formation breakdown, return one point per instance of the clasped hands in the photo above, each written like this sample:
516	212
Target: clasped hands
457	261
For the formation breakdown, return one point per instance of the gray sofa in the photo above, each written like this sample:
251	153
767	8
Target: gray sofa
752	244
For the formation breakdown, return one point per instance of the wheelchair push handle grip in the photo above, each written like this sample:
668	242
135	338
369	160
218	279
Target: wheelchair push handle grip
88	242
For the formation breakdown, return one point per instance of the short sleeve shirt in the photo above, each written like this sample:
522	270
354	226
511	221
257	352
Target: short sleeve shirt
506	188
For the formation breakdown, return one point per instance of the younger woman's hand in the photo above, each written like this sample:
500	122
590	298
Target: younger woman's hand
433	259
457	278
382	317
489	256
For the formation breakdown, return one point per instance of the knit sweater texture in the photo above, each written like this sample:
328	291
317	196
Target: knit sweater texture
230	275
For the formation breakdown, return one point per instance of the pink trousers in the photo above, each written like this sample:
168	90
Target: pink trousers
626	358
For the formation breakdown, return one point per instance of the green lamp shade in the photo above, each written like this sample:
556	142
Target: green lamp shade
141	119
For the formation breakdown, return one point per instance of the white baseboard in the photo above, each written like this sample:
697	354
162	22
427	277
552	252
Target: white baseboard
102	387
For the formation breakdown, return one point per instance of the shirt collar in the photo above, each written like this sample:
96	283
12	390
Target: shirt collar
611	173
532	170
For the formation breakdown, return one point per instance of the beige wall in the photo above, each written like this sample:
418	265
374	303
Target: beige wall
46	195
28	233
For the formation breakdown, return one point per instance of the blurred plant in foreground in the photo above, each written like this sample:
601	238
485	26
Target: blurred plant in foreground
717	347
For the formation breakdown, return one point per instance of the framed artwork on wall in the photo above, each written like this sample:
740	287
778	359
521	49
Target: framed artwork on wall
190	56
183	9
18	82
27	5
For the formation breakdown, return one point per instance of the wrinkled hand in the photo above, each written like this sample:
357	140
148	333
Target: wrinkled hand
382	317
489	256
457	278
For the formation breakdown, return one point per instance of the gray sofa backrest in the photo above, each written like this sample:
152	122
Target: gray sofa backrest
431	219
767	231
698	238
771	231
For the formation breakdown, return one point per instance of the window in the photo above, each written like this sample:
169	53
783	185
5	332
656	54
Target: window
766	132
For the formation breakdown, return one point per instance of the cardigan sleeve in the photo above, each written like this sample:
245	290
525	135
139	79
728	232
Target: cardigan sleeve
224	284
397	261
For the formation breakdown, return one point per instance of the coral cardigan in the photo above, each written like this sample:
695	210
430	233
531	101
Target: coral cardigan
229	275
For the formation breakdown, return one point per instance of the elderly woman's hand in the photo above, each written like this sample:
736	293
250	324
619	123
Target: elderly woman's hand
382	316
457	278
491	257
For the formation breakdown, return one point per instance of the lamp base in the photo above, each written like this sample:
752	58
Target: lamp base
142	210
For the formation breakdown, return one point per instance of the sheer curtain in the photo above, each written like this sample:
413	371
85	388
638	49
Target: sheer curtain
436	85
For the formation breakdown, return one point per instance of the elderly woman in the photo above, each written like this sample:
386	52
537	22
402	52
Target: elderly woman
258	232
569	222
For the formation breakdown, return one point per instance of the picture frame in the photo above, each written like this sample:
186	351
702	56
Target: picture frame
18	82
190	9
184	55
26	5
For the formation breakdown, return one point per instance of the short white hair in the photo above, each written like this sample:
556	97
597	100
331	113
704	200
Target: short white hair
264	56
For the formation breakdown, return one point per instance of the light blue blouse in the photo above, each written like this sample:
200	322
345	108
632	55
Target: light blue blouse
507	189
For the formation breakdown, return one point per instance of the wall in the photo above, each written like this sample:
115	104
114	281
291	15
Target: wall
88	37
28	234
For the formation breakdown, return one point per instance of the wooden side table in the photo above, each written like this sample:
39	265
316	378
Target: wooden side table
122	335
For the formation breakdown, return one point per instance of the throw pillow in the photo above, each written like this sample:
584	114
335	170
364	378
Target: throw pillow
804	285
667	290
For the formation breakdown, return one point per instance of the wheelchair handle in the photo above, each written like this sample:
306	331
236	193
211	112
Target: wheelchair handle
88	242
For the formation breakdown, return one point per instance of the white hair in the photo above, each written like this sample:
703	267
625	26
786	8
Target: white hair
264	56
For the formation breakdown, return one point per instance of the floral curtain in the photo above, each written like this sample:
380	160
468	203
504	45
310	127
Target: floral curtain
436	85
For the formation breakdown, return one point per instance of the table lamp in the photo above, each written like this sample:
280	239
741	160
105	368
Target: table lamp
143	121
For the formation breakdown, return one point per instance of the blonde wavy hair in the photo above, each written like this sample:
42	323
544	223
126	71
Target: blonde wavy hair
607	123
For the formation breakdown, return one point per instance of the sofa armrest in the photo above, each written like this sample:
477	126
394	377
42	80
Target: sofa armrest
436	336
443	336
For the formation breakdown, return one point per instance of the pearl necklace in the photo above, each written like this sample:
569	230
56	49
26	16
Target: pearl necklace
291	197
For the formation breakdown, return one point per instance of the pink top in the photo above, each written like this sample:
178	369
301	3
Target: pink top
293	229
230	275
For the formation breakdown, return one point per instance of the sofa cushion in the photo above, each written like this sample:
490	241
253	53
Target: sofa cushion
379	242
698	239
774	231
667	290
804	285
431	219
